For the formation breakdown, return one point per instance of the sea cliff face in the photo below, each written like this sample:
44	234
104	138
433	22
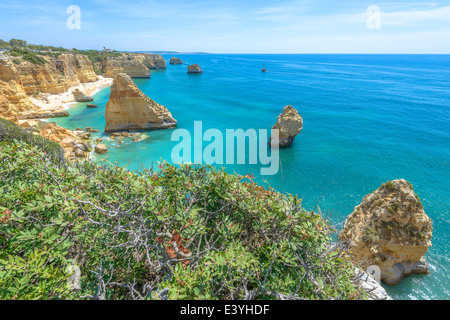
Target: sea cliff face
151	61
57	75
135	65
19	79
13	97
130	109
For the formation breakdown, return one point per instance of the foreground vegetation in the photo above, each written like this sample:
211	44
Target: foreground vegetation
189	232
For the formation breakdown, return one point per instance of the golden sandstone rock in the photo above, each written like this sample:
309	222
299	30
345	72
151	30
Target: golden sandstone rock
81	96
101	148
57	75
13	98
390	229
289	123
73	145
128	108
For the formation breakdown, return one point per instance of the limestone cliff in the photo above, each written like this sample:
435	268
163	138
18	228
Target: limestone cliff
130	109
112	66
390	229
20	79
151	61
13	98
136	65
289	123
57	75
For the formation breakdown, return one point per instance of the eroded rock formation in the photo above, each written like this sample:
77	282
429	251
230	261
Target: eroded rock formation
175	60
13	97
390	229
136	65
81	97
194	68
128	108
21	79
74	144
151	61
289	123
57	75
112	66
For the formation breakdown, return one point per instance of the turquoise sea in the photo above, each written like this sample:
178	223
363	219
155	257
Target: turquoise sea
366	119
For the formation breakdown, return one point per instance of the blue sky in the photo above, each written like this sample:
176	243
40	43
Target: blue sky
233	26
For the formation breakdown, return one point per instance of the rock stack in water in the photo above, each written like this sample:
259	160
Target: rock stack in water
129	108
194	68
81	97
174	60
289	123
390	229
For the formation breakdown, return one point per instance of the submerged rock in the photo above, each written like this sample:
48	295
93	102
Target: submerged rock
289	123
81	97
174	60
129	108
390	229
194	68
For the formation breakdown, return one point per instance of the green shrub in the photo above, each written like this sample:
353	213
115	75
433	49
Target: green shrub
10	131
390	185
188	232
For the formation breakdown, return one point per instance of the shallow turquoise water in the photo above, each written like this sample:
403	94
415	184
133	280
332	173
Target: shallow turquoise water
367	119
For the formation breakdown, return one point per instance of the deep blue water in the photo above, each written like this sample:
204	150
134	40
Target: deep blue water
367	119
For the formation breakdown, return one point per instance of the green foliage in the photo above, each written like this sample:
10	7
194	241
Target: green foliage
390	185
97	56
10	132
17	43
188	232
28	55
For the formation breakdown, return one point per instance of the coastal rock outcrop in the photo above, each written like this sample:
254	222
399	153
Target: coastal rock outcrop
289	123
81	97
112	66
136	65
74	146
175	60
151	61
194	68
128	108
390	229
101	148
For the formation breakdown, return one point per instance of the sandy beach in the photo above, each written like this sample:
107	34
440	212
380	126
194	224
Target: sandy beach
47	102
